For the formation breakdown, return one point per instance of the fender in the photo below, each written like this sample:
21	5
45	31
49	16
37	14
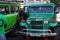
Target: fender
1	22
54	24
23	24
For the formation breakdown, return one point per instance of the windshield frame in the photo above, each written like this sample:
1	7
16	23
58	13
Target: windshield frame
29	9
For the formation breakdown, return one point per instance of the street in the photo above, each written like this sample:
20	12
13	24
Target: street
11	36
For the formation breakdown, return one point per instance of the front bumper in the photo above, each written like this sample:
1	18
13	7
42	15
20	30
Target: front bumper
38	34
42	34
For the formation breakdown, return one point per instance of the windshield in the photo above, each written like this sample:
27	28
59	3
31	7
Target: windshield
44	9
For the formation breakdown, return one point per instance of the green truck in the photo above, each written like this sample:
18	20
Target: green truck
41	21
10	10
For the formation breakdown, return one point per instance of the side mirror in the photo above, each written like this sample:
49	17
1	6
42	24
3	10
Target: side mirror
56	12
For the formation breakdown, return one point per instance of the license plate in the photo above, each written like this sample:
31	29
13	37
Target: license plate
42	34
35	34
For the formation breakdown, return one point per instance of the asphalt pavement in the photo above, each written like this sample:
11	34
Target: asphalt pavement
11	36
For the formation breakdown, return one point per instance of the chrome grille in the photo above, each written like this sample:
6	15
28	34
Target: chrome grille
37	24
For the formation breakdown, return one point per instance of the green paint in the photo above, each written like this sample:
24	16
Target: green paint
11	20
41	17
11	17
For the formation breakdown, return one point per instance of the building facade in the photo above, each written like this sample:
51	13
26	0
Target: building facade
11	0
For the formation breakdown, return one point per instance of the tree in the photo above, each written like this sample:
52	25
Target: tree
57	2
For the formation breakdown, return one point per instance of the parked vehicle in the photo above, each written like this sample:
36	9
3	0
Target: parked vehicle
41	21
10	10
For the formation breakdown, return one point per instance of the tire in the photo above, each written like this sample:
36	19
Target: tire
14	31
57	30
36	38
21	35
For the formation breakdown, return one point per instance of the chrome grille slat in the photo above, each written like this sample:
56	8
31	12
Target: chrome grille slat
37	24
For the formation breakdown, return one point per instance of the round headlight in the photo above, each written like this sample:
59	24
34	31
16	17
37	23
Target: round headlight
45	22
28	21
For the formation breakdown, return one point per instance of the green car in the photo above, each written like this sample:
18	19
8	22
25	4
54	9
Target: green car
10	10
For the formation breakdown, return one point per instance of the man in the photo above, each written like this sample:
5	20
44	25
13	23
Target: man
2	24
22	16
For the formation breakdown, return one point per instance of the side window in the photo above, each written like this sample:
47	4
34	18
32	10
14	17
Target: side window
4	10
14	9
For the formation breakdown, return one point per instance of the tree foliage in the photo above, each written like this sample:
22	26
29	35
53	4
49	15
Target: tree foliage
57	2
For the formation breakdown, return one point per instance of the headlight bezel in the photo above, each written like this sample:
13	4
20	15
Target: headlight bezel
28	21
45	21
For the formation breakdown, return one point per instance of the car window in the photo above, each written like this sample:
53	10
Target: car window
4	10
14	9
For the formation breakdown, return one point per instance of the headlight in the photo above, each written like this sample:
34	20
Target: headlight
45	22
28	21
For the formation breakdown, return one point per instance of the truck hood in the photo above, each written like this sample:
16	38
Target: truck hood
41	16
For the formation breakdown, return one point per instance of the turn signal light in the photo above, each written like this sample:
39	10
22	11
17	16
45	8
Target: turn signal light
54	20
22	20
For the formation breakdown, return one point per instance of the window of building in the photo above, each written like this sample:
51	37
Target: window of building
31	1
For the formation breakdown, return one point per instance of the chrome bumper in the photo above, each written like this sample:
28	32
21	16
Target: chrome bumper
43	34
38	34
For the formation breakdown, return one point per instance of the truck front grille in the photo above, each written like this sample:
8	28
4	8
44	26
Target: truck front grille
37	27
37	24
